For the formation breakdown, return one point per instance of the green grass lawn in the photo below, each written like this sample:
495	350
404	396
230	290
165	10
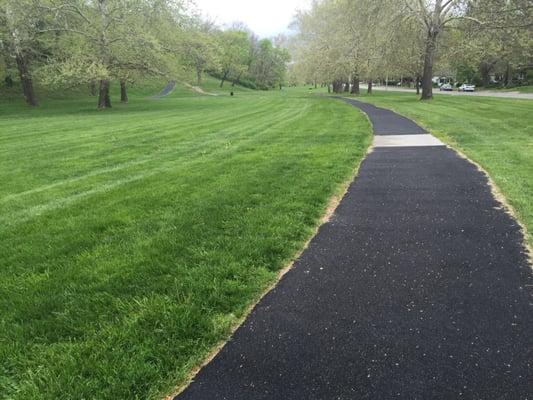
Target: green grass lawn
521	89
495	133
133	239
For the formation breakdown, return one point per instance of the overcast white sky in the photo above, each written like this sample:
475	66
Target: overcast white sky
264	17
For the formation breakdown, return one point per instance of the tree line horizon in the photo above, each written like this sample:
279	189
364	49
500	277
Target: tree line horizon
67	43
338	43
341	42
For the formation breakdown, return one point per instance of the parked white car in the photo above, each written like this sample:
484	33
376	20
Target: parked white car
446	87
465	87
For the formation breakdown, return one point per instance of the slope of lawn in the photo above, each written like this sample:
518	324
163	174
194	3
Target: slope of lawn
133	239
496	133
212	85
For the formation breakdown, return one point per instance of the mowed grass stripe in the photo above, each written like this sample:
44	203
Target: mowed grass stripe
181	108
119	176
130	146
120	292
21	210
138	129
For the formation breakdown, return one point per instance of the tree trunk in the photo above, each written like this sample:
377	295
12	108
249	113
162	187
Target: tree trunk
484	70
429	55
337	87
369	89
347	86
417	84
355	85
123	92
198	76
25	80
104	100
238	79
329	88
508	75
224	77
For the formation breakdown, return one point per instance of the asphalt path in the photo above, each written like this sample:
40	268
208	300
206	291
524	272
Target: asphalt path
169	87
417	288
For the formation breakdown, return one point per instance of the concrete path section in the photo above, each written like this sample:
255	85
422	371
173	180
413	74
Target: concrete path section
406	141
417	288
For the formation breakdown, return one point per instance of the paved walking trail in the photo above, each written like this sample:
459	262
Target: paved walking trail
169	87
417	288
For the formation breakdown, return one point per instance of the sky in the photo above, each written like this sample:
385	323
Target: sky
265	17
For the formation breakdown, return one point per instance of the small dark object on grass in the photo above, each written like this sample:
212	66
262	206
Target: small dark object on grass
231	93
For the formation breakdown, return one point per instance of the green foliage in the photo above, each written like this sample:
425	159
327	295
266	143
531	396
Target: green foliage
269	65
234	54
21	37
467	74
200	52
112	39
473	40
68	43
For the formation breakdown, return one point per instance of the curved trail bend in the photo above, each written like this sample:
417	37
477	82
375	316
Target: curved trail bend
417	288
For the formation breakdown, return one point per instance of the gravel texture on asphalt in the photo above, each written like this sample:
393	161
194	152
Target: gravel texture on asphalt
417	288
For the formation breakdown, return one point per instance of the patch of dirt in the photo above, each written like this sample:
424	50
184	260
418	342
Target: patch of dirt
198	89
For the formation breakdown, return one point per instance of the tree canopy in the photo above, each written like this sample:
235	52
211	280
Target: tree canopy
485	41
67	43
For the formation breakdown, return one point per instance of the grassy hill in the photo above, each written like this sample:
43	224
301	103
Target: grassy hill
133	239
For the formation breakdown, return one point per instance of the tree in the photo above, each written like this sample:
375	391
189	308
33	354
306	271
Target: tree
436	15
342	41
269	65
405	54
321	45
281	57
21	41
234	48
200	52
108	39
496	39
433	17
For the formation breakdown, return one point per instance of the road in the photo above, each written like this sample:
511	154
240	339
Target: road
481	93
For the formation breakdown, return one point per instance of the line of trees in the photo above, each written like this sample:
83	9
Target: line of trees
65	43
340	42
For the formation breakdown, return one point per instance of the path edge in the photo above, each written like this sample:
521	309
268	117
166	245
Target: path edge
500	198
331	205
